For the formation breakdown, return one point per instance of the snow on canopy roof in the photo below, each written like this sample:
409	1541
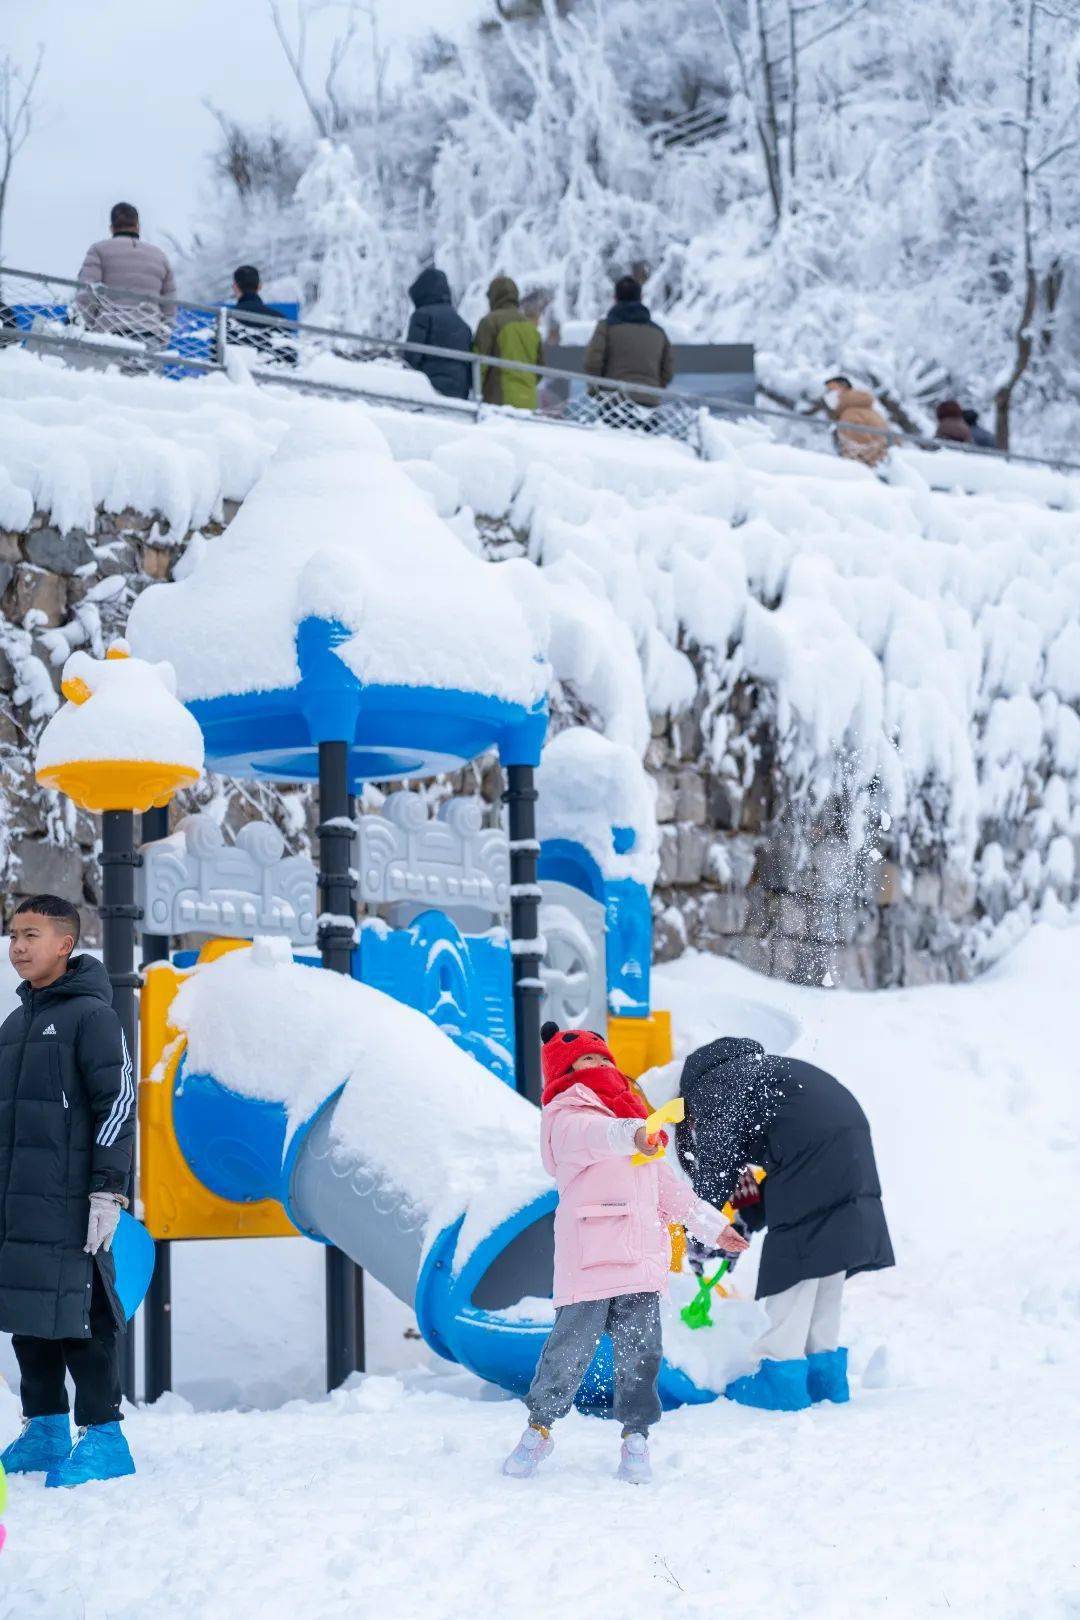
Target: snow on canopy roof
416	1108
335	529
120	708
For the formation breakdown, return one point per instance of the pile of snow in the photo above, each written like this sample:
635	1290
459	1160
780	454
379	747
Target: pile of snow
120	707
597	793
73	442
416	1109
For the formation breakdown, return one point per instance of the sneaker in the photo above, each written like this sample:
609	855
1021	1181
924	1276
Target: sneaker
634	1464
100	1452
43	1443
529	1453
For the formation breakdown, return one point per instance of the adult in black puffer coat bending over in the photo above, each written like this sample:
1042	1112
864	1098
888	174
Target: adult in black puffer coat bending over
820	1200
435	321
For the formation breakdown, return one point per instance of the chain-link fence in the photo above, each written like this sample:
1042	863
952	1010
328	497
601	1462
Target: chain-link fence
94	325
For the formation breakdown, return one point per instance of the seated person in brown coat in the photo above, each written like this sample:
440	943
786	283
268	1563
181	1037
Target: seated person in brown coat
853	408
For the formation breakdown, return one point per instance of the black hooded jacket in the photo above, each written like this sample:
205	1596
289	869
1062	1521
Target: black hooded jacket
67	1124
436	321
821	1198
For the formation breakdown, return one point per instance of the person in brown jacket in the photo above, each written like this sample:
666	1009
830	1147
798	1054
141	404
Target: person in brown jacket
629	347
852	408
124	262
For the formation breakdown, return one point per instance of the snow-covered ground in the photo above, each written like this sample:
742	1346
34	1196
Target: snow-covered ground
948	1486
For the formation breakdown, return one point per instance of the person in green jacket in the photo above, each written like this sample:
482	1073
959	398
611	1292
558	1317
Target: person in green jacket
508	334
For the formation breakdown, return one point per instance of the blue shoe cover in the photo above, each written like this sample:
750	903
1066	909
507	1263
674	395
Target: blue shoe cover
777	1386
43	1443
826	1376
100	1452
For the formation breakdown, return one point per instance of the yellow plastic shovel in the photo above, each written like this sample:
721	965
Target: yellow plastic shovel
671	1113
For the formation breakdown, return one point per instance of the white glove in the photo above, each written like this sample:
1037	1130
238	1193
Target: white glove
104	1217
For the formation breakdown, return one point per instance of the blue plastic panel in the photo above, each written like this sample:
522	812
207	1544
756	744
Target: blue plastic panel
462	982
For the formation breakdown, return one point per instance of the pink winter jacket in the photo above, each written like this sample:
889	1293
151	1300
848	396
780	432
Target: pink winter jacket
611	1224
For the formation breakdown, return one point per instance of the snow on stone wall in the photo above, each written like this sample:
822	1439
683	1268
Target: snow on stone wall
857	697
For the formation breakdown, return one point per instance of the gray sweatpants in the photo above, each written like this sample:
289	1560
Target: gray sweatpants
632	1321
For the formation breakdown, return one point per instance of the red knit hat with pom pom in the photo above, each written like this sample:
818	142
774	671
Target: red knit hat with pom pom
563	1047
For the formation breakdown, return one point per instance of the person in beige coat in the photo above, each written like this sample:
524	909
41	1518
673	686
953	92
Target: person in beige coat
852	408
125	263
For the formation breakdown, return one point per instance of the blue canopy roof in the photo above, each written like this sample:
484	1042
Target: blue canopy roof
393	731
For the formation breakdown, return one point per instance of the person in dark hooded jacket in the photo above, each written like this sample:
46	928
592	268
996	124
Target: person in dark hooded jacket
820	1200
67	1124
629	347
434	320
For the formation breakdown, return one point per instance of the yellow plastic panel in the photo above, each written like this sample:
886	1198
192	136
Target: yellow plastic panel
175	1203
638	1044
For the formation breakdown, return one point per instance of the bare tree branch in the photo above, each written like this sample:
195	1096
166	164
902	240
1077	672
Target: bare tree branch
831	28
294	55
16	117
771	173
339	50
1023	338
1065	146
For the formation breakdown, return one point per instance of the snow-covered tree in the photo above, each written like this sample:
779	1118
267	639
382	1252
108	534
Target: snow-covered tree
887	188
345	271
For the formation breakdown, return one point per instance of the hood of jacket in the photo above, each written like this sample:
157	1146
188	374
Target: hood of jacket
86	976
719	1060
632	312
503	293
430	287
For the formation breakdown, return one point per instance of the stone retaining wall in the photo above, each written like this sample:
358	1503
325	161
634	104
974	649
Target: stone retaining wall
744	871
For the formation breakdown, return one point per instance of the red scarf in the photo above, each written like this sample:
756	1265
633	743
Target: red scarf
610	1086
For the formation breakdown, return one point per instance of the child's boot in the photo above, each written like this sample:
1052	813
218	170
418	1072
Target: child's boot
535	1444
634	1464
100	1452
826	1376
43	1443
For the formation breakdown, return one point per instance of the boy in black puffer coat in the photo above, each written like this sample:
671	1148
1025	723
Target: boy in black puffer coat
820	1200
67	1125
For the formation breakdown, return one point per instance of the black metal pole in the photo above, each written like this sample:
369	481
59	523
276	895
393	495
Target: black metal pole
520	800
344	1279
118	915
157	1306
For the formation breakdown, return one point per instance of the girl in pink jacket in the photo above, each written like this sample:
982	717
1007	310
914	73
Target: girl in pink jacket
612	1250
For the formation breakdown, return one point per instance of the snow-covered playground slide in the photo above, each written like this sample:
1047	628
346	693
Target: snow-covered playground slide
378	1135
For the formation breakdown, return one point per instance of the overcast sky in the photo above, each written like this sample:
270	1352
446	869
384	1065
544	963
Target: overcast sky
121	114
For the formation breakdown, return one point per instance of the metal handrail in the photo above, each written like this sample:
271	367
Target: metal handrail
220	314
